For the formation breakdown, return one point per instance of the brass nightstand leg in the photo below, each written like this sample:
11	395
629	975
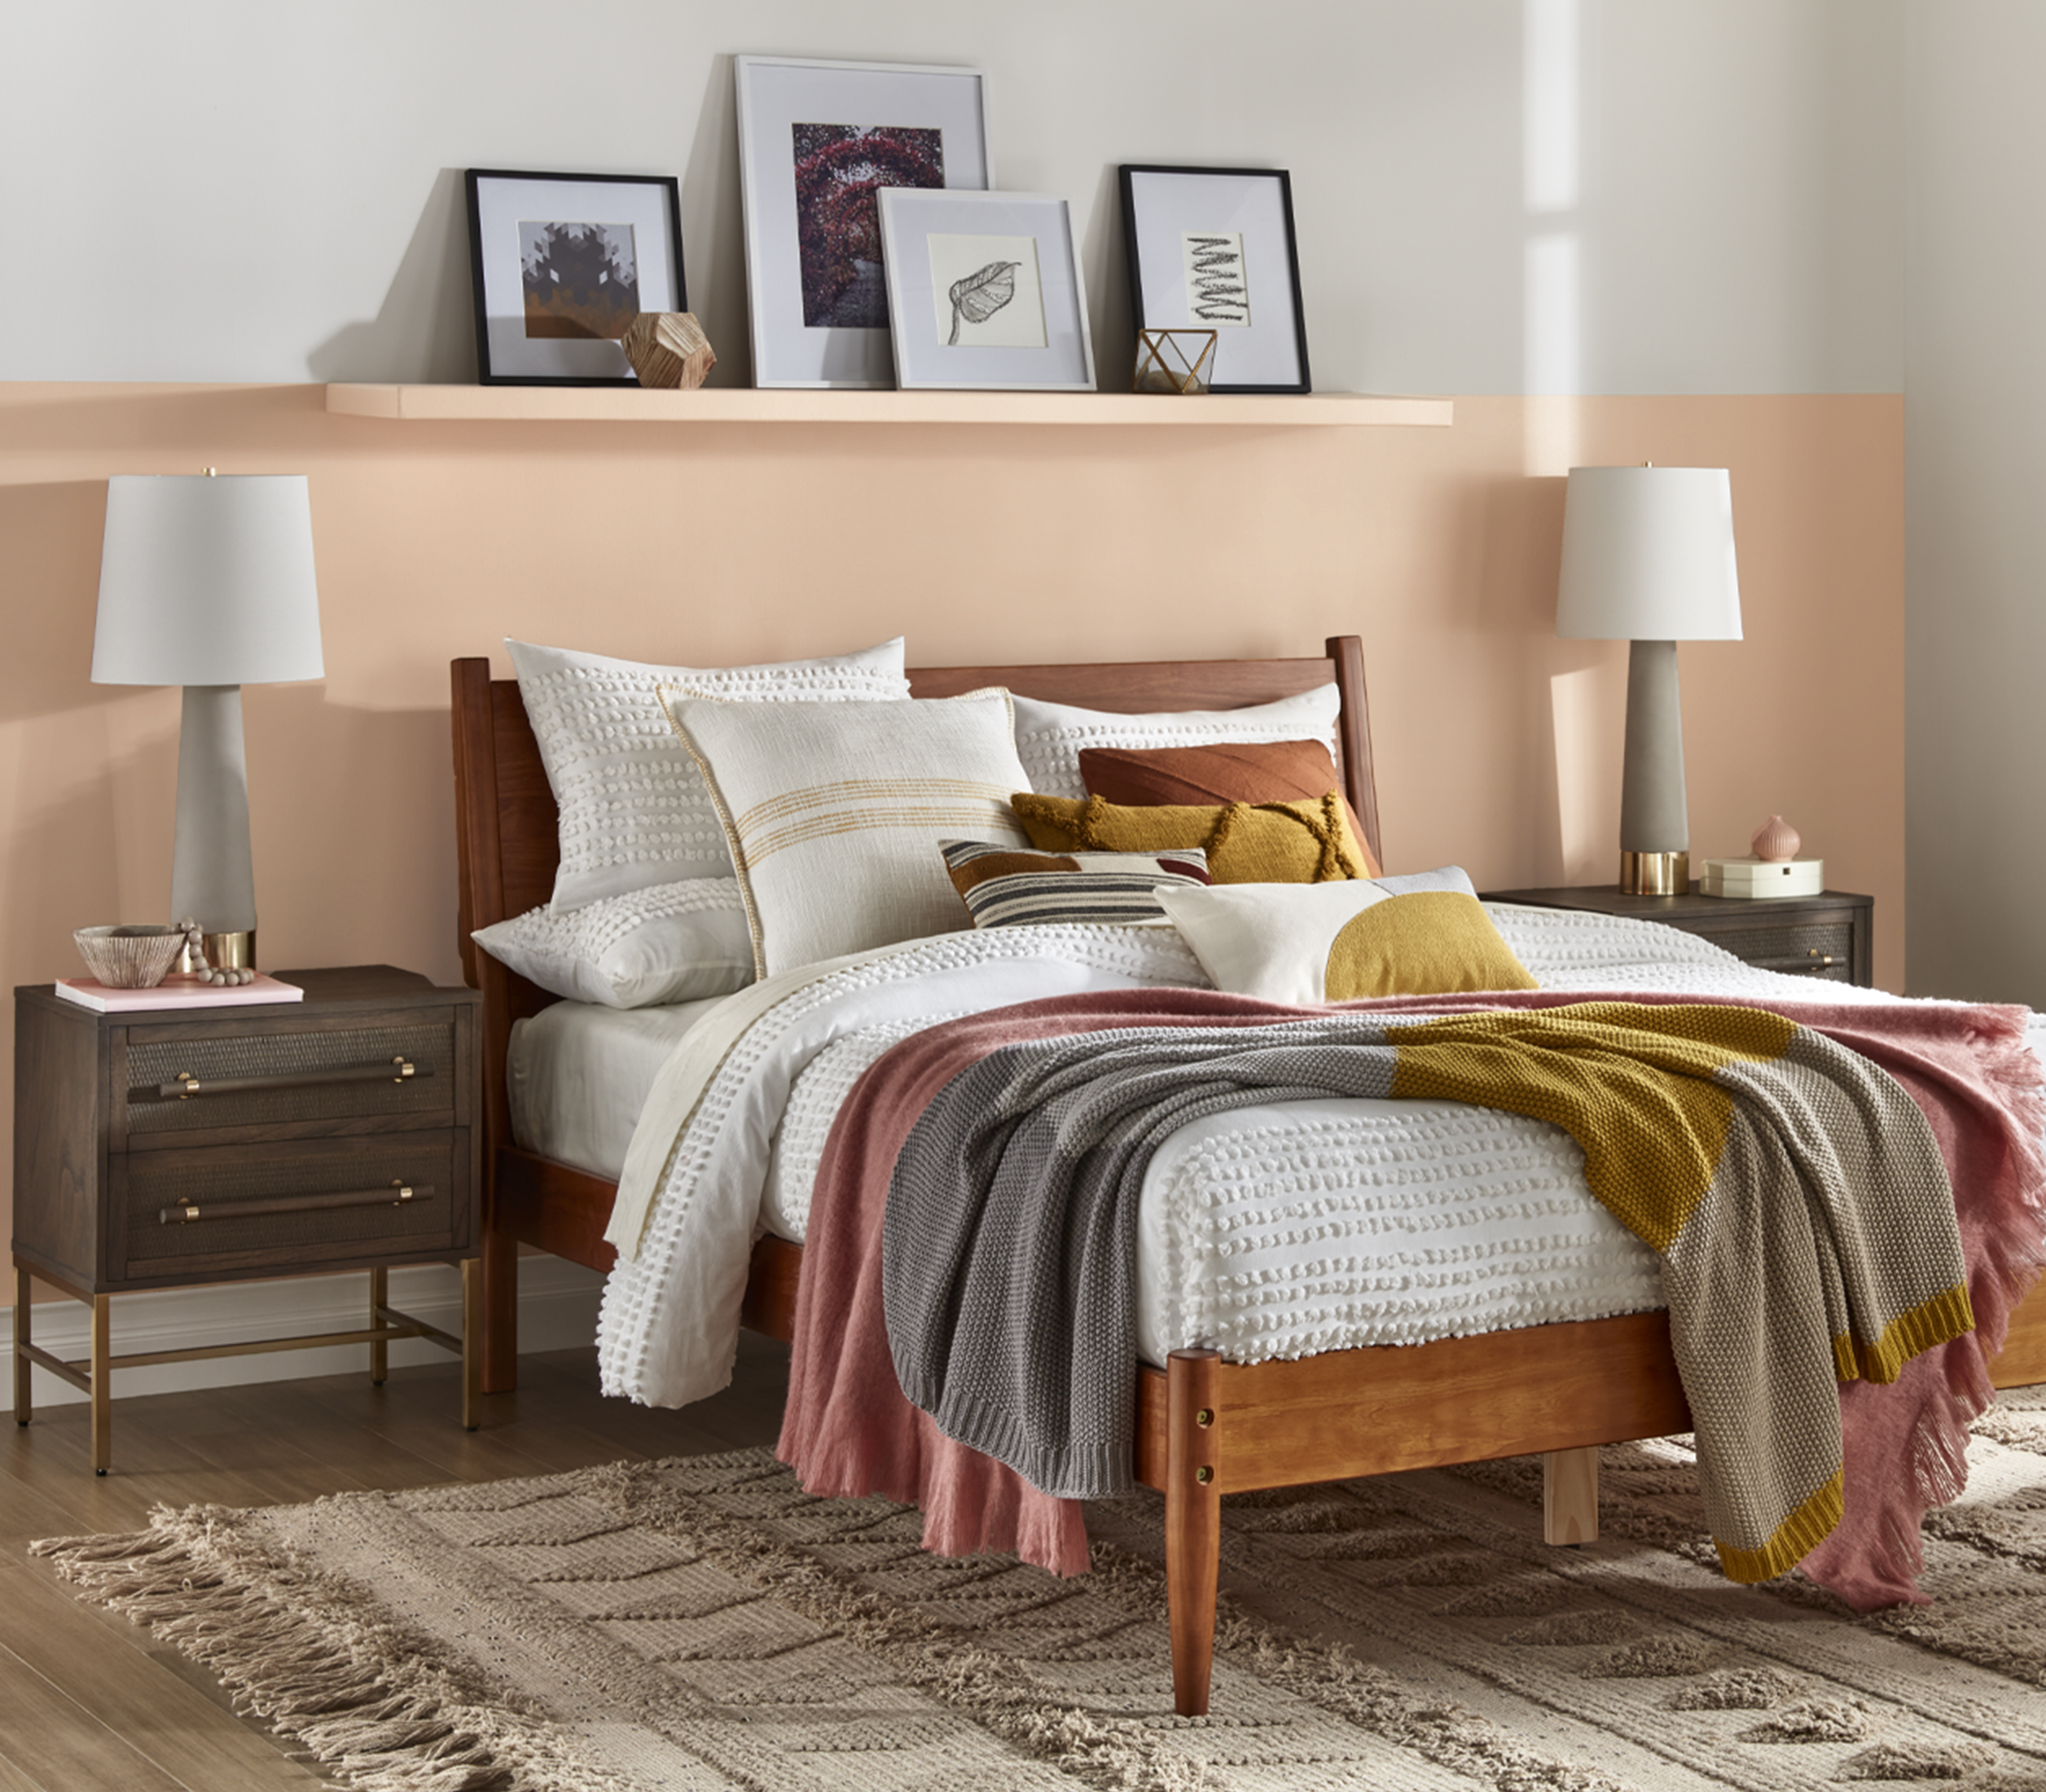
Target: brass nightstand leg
471	1342
23	1375
102	1410
380	1298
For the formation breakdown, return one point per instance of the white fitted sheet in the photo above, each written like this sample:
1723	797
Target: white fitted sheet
578	1074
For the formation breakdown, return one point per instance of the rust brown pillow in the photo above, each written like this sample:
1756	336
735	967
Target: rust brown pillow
1225	772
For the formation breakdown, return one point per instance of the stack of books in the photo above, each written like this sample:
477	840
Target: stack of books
1756	877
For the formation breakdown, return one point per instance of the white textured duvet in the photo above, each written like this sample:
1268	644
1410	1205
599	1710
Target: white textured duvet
1273	1231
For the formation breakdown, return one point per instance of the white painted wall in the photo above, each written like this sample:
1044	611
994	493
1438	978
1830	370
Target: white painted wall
241	189
1975	433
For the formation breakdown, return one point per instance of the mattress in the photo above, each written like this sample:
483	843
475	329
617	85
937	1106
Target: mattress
1266	1232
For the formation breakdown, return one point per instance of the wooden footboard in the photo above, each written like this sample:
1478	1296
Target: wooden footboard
1205	1427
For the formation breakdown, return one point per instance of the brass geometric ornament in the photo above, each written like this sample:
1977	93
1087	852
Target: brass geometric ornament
1180	361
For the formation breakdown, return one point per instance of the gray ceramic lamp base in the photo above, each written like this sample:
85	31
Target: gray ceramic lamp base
213	876
1655	830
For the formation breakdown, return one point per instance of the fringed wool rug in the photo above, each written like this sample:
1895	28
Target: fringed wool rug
702	1623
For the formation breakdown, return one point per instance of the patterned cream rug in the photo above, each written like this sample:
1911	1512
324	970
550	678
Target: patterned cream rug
701	1623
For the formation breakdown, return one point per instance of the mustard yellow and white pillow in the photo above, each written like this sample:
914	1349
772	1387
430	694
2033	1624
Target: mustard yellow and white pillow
1425	933
834	811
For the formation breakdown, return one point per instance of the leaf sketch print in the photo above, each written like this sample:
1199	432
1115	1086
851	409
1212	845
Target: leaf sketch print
978	296
1215	279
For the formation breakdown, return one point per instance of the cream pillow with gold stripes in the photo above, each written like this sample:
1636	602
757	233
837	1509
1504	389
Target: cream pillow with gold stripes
834	811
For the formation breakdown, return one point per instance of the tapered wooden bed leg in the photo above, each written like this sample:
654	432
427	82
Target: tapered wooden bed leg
1192	1522
500	1311
1570	1495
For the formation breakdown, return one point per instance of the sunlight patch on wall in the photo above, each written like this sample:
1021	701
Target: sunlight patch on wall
1552	306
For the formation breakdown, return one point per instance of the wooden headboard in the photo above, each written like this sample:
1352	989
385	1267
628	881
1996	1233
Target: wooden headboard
505	817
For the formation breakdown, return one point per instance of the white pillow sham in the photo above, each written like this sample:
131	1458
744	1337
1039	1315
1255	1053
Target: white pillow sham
834	812
671	942
1049	736
634	812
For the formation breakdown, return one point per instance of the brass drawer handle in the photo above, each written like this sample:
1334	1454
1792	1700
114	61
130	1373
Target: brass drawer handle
397	1070
1814	960
397	1194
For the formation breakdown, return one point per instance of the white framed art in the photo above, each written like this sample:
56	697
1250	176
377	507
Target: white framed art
983	293
1213	248
818	141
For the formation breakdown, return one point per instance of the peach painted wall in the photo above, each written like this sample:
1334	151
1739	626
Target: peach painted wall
1498	745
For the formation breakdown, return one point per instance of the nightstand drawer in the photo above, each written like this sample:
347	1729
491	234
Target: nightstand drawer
285	1207
1822	949
222	1082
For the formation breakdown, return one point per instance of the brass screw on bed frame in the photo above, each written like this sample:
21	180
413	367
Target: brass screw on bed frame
1204	1474
1205	1418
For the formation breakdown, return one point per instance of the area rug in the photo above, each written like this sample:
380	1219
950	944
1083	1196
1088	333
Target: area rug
700	1622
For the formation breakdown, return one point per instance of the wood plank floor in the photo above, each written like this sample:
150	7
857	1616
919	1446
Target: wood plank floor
88	1700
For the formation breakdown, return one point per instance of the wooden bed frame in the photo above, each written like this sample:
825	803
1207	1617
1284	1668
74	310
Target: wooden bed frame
1205	1427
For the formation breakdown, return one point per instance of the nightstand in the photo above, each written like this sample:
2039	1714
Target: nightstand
1830	935
177	1148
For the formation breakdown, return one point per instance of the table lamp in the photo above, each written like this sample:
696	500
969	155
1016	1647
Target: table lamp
207	582
1648	557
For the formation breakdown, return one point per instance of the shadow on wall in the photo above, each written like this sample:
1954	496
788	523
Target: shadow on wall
352	812
713	238
1109	308
424	331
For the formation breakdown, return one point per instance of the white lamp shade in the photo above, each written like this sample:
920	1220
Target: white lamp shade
206	580
1648	556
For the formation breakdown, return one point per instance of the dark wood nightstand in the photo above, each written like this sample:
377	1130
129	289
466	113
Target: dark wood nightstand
176	1148
1830	935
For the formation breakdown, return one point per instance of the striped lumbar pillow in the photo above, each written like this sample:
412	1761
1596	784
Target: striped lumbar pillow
1005	886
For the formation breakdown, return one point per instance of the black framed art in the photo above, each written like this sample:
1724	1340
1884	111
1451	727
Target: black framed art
562	263
1213	248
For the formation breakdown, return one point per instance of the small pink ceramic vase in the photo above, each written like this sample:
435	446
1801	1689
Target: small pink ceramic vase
1776	841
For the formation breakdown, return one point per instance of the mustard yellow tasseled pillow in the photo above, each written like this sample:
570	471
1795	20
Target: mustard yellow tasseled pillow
1245	842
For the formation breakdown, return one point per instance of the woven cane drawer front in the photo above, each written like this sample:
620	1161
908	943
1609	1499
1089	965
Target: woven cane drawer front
293	1204
324	1074
1820	949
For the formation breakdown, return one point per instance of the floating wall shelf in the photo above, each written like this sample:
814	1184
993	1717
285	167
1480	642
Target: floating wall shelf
628	404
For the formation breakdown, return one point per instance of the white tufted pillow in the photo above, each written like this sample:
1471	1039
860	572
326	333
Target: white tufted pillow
670	942
634	809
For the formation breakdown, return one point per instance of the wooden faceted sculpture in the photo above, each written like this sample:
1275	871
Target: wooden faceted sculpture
668	349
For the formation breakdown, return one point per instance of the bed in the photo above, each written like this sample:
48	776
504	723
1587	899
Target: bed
1206	1427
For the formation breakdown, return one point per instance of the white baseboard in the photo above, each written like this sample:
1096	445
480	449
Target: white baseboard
558	1303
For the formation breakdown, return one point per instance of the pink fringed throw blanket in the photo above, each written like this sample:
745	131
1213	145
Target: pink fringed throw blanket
848	1430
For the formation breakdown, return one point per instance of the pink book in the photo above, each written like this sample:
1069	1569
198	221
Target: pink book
178	991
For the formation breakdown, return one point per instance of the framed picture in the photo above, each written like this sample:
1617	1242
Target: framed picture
984	292
562	263
1212	248
817	142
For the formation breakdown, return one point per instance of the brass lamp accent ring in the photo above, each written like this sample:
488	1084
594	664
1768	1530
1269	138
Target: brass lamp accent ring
1655	874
